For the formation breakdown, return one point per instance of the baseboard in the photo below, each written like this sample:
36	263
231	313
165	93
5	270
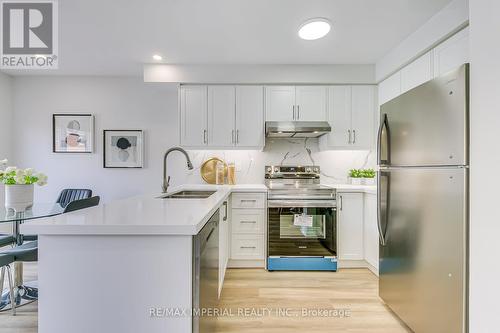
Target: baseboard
357	264
243	263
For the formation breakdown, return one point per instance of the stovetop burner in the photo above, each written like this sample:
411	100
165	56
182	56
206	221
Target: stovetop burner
296	182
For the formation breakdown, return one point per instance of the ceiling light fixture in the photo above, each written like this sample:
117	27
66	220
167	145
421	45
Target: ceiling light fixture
314	28
157	57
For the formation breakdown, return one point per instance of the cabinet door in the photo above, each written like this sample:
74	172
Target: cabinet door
389	88
193	105
339	116
350	226
452	53
371	239
363	114
310	103
249	116
221	113
417	72
280	102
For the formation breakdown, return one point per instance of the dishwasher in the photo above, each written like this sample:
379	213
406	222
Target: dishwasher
205	275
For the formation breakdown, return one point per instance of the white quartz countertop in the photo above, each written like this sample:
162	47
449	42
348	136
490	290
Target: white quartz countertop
141	215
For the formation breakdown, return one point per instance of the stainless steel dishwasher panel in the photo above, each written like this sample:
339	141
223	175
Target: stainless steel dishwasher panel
205	275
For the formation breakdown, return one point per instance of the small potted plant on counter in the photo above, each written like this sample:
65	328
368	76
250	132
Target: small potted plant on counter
356	176
368	176
19	186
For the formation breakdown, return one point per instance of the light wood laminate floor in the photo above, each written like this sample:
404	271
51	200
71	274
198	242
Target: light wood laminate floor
353	291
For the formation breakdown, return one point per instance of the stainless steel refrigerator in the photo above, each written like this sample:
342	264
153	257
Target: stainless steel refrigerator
423	186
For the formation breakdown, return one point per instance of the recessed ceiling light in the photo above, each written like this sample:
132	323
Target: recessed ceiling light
314	28
157	57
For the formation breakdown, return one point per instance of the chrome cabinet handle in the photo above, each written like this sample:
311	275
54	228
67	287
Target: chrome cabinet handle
340	203
237	136
225	211
248	247
354	133
232	136
205	136
298	112
248	200
349	132
253	222
293	112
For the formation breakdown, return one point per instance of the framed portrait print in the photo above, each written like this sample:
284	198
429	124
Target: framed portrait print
123	148
72	133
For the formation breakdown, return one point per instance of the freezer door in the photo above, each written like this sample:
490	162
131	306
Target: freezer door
428	125
424	259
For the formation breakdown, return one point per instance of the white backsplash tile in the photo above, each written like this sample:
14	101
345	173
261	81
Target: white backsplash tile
250	163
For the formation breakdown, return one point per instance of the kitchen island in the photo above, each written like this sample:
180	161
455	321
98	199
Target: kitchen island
121	266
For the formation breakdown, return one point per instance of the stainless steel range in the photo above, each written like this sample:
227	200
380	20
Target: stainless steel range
302	228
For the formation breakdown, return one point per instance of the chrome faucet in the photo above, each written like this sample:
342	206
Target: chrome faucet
166	180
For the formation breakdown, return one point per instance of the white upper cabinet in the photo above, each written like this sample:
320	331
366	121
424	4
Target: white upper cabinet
339	116
389	88
362	113
193	115
351	115
221	116
452	53
350	226
249	116
310	103
417	72
280	103
448	55
296	103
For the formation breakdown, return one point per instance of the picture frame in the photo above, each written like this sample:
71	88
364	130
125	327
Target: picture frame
73	133
123	149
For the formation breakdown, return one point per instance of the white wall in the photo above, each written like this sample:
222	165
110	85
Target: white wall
442	25
117	103
128	103
485	159
260	74
5	120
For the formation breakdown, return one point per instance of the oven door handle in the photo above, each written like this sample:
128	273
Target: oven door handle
302	203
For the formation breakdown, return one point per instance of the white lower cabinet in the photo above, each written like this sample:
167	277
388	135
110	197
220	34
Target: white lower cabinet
350	226
371	238
248	230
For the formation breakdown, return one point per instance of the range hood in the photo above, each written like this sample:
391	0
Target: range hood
296	129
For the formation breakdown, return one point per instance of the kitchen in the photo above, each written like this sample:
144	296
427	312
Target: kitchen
293	126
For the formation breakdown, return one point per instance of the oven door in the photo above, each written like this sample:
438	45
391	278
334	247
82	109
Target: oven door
302	228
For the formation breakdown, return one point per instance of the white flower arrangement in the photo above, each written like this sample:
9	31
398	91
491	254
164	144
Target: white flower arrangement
14	176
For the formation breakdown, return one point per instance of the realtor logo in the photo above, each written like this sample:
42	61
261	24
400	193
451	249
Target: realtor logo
29	35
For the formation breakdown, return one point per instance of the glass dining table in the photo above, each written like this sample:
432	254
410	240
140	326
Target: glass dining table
25	292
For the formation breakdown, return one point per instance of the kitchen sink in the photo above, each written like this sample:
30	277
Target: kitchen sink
189	195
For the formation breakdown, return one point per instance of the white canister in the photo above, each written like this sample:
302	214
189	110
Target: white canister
19	197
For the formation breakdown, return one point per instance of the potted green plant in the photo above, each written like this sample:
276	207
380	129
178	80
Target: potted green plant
356	176
368	176
19	186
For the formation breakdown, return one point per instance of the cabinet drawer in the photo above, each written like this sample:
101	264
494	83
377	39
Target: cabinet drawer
250	221
247	247
249	200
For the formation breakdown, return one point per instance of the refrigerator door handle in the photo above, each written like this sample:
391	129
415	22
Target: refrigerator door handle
381	232
384	123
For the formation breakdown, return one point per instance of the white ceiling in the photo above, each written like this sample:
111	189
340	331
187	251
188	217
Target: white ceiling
104	37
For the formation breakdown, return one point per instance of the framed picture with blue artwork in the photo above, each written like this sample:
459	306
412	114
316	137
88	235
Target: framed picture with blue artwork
123	148
72	133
